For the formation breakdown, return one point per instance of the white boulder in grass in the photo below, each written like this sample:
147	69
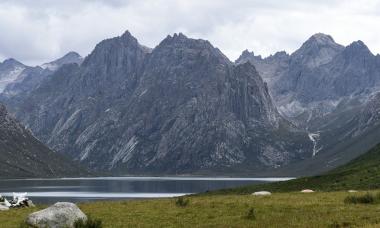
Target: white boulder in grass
352	191
307	191
61	214
262	193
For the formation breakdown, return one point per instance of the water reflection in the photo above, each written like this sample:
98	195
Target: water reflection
85	189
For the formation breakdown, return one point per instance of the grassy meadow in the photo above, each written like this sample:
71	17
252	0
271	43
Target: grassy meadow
293	209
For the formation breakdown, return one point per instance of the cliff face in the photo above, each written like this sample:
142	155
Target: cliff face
178	108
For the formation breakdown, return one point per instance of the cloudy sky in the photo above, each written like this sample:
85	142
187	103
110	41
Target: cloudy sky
36	31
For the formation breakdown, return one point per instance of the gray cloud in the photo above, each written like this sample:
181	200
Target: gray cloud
36	31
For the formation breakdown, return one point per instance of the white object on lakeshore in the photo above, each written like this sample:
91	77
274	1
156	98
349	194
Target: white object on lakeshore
352	191
307	191
6	203
61	214
3	208
262	193
19	198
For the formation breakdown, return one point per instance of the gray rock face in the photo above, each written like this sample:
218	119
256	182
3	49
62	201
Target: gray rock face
331	91
10	70
71	57
29	78
22	155
178	108
271	68
319	75
60	215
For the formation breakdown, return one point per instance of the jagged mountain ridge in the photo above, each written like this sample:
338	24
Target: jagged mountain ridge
181	107
336	100
19	78
22	155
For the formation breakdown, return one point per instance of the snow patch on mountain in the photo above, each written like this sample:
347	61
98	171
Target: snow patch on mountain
314	137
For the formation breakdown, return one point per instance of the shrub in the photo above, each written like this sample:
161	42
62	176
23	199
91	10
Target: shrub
251	214
90	223
364	199
182	202
339	225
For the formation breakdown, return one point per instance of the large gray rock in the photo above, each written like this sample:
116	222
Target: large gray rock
60	215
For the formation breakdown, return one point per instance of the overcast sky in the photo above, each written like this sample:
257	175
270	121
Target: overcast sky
37	31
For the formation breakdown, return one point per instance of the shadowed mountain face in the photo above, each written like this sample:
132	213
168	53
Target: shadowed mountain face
181	107
22	155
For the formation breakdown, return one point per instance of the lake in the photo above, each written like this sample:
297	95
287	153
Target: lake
112	188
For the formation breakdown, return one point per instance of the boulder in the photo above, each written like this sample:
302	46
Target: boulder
307	191
61	214
29	203
352	191
262	193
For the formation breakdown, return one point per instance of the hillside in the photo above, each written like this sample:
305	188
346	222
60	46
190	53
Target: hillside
22	155
362	173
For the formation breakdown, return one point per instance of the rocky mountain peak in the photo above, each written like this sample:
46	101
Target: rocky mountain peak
113	51
319	49
322	39
11	63
247	55
358	48
70	57
181	45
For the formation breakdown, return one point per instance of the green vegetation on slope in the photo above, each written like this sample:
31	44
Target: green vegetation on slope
278	210
362	173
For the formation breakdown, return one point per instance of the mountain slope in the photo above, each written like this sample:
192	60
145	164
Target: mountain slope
22	155
332	92
361	173
181	107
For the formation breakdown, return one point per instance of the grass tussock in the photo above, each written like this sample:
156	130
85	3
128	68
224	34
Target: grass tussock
367	198
182	202
89	223
251	215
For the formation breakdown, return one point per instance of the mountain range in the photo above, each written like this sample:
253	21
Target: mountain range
183	107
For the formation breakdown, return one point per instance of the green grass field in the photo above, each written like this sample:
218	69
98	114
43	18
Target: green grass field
293	209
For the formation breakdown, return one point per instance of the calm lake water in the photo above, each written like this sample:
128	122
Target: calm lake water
110	188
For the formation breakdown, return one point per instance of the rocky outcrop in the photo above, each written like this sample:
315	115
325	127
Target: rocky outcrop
61	214
181	107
